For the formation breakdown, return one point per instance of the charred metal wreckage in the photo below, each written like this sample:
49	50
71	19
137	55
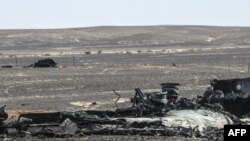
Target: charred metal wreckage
159	113
44	63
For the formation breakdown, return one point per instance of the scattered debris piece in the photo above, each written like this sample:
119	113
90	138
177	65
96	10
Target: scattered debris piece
7	66
3	114
44	63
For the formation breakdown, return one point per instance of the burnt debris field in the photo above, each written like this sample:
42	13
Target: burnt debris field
93	62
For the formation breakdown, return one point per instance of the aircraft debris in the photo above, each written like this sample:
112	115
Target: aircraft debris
158	113
7	66
44	63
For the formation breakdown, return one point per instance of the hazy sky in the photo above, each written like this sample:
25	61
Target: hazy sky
82	13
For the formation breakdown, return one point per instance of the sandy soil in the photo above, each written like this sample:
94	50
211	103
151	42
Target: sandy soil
93	77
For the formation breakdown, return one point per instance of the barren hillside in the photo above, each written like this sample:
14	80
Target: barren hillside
143	36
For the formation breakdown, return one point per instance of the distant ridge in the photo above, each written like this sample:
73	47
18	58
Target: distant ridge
124	36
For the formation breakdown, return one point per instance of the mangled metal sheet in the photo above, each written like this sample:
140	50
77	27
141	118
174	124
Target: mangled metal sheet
200	119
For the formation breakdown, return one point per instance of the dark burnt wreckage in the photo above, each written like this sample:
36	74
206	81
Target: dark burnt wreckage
158	113
232	94
43	63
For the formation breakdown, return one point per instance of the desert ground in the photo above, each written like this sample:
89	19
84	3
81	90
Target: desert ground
93	77
113	58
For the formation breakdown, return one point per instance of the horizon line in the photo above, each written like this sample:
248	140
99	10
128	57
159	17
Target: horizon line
79	27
